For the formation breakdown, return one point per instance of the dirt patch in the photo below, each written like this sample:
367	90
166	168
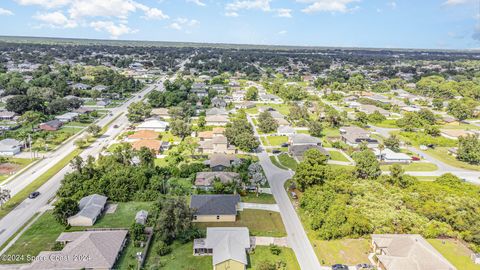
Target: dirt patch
9	168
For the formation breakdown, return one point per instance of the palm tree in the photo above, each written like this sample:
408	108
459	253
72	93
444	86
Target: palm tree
381	147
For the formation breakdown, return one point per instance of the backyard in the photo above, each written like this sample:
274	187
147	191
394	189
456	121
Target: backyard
259	222
336	155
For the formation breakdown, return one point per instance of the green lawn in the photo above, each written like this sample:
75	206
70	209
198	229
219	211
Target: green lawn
331	132
259	222
426	178
276	163
287	161
335	155
455	252
262	253
344	251
264	141
123	217
441	153
281	108
128	259
277	140
387	123
261	198
414	167
253	110
181	258
169	137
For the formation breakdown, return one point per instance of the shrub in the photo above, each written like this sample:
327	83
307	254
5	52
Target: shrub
162	248
275	250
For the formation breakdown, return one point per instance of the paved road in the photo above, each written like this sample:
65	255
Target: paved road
23	212
297	238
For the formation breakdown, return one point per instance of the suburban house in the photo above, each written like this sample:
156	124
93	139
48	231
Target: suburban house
216	111
67	117
218	102
52	125
153	124
219	162
285	131
354	136
104	102
216	120
227	246
143	135
152	145
215	208
84	250
304	139
270	98
84	110
297	151
369	109
100	88
91	207
407	251
216	145
245	105
10	147
204	180
239	95
389	156
161	112
454	134
279	118
7	115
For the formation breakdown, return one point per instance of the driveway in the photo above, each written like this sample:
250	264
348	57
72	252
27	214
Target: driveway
259	206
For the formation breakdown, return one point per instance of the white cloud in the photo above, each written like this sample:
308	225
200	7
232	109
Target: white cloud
197	2
115	30
5	12
44	3
55	19
183	24
456	2
152	13
284	12
283	32
392	4
249	4
231	14
341	6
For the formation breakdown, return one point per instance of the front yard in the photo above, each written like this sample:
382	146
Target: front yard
287	161
261	198
335	155
441	153
414	167
455	252
259	222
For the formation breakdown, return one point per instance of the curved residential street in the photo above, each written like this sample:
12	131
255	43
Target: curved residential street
296	236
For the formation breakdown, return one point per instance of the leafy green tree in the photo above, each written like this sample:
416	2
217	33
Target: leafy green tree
315	128
376	117
367	165
469	149
65	208
175	218
393	143
201	122
137	232
432	130
94	130
266	122
362	118
31	118
252	93
459	109
437	104
138	111
410	121
180	128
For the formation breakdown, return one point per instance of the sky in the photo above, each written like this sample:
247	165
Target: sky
442	24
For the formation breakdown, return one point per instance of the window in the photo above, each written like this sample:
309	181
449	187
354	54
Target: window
218	217
194	217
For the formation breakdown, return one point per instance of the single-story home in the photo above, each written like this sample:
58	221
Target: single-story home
153	124
219	162
216	120
91	207
52	125
204	180
10	147
143	135
407	251
297	151
7	115
304	139
161	112
215	208
153	145
218	102
285	131
389	156
227	246
83	250
454	134
216	111
67	117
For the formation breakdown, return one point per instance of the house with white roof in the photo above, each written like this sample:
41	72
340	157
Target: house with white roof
10	147
153	124
388	156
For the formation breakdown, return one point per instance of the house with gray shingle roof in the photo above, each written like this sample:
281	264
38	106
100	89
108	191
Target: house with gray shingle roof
215	208
91	207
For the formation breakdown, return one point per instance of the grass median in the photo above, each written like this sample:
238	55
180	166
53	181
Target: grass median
42	179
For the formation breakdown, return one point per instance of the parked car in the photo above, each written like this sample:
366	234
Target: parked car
285	144
34	195
276	151
414	158
115	126
339	267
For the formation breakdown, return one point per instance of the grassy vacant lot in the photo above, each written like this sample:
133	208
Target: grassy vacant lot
455	252
281	108
387	123
263	253
414	167
261	198
331	132
335	155
259	222
287	161
345	251
19	164
441	153
277	140
43	233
